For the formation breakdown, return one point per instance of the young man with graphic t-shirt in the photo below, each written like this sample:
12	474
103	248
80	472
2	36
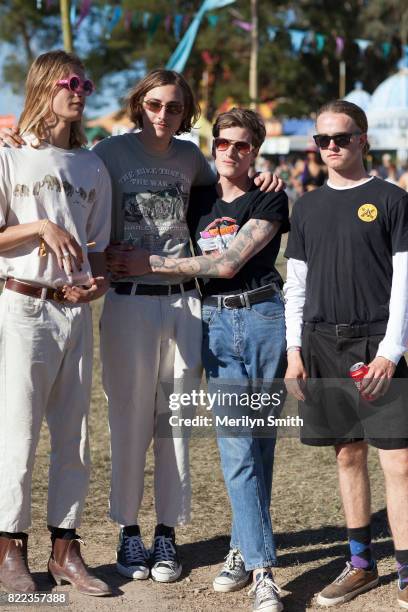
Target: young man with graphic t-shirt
151	327
347	286
238	229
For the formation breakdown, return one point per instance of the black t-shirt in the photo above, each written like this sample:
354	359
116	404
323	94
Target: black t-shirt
347	238
214	223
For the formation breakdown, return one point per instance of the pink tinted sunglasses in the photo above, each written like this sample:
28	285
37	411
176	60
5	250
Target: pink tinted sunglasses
77	85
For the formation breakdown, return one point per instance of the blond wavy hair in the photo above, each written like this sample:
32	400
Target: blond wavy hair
41	88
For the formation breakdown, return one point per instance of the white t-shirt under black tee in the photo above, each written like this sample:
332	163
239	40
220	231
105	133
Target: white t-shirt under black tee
214	223
347	238
70	187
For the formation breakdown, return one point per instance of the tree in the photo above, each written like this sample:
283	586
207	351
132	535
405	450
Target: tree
27	29
296	82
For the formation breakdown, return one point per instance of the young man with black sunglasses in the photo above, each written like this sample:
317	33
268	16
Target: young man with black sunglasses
347	287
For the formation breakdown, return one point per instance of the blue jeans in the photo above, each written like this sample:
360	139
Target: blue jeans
245	349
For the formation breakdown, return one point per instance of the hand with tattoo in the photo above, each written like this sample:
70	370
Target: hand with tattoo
253	237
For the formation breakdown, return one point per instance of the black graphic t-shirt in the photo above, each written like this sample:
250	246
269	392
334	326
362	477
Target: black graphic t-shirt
214	223
347	238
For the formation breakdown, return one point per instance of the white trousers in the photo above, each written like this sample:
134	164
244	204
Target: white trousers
45	369
150	347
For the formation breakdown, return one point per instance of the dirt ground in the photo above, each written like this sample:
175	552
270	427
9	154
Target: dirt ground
307	520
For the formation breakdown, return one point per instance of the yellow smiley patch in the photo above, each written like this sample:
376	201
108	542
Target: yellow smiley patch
367	213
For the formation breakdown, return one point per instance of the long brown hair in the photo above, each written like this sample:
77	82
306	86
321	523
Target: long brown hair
41	87
158	78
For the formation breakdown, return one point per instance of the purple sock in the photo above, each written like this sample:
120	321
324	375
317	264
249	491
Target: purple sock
360	547
401	557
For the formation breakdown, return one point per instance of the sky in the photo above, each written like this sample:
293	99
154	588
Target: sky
9	104
12	104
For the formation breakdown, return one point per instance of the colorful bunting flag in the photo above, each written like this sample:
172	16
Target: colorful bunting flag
72	13
112	14
386	48
84	11
178	24
271	32
296	37
154	24
320	42
339	45
362	44
244	25
146	17
181	54
212	20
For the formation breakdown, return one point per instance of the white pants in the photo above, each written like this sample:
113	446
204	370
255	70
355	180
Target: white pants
45	368
150	347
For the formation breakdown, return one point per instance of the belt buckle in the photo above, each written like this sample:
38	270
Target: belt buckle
58	296
224	303
340	327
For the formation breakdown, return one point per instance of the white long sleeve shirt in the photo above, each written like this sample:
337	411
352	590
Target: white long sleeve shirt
395	341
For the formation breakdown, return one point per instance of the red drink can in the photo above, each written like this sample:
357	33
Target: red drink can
357	373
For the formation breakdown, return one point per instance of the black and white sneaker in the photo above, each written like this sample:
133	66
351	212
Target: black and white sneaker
267	593
132	558
166	566
233	575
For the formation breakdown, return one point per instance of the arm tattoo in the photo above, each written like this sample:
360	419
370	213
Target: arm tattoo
251	239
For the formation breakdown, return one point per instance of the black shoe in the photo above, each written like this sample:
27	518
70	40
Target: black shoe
132	558
166	566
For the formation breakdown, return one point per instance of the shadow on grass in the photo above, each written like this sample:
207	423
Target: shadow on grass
212	552
104	572
305	586
325	544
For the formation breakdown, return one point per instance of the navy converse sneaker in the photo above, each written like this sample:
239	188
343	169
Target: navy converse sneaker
233	575
166	566
132	558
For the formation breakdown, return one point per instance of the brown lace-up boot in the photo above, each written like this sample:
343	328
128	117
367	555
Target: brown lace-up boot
66	565
14	572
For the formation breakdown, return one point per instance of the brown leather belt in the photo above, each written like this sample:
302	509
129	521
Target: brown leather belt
34	291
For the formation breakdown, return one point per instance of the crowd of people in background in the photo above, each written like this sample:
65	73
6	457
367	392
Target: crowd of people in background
303	172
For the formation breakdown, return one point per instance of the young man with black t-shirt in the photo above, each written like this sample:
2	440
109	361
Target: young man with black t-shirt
347	286
238	229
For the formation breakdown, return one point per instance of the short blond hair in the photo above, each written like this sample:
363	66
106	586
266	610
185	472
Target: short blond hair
351	110
41	87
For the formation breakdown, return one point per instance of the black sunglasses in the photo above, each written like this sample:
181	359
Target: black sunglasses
340	140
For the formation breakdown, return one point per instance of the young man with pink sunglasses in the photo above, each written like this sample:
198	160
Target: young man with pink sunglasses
54	202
